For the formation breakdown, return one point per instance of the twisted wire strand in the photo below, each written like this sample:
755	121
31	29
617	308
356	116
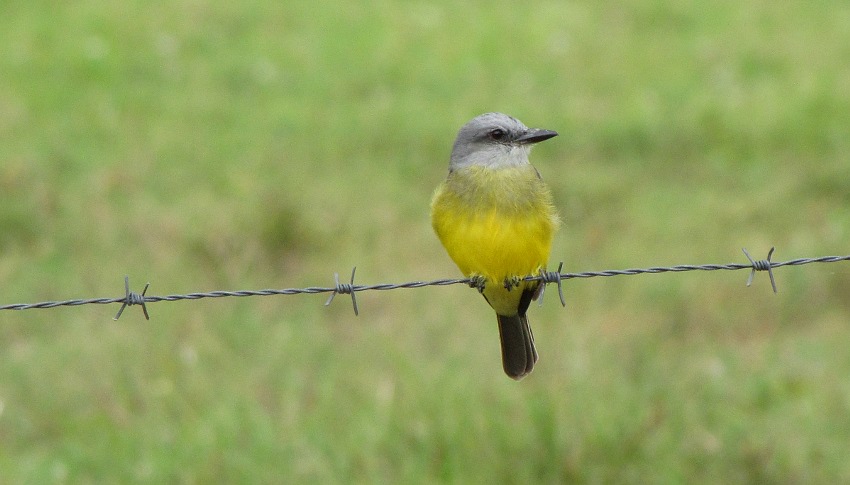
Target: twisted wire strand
130	298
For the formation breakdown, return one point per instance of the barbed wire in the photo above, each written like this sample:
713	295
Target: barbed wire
546	277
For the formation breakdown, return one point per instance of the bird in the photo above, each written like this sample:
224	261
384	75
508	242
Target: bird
496	219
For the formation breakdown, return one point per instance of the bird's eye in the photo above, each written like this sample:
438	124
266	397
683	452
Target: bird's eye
498	134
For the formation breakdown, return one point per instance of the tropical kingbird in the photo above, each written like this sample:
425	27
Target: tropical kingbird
495	217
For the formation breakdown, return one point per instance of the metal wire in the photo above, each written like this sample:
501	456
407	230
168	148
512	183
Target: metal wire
130	298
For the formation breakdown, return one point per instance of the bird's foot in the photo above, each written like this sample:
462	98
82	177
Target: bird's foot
478	282
512	282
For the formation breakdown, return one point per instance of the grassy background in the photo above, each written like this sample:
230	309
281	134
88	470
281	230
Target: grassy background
207	145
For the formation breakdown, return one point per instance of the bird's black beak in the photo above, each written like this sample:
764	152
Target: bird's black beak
535	135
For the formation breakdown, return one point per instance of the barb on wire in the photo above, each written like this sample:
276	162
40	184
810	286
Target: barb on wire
547	277
761	265
342	289
131	298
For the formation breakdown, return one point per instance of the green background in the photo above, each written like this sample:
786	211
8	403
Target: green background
212	145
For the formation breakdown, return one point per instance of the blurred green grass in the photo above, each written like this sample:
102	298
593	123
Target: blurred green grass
220	145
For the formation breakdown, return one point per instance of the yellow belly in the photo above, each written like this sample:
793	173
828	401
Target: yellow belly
496	223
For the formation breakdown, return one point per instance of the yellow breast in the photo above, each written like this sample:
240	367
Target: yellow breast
497	223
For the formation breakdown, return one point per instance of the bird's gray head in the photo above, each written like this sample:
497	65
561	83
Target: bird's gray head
495	140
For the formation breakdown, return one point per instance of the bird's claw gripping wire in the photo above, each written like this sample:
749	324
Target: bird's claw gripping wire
512	282
344	289
761	265
547	277
478	282
132	298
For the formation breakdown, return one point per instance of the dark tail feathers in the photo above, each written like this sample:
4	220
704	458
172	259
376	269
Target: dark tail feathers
518	352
